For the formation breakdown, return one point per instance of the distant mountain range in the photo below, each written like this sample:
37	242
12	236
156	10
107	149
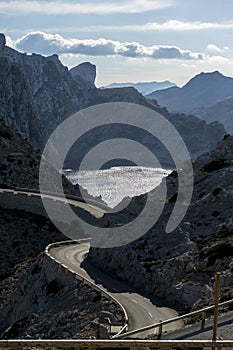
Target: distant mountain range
207	95
143	87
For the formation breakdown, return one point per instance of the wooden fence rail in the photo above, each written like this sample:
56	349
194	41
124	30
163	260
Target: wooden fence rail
93	344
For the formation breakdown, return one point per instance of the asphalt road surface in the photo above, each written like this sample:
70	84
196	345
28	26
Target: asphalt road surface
95	209
141	311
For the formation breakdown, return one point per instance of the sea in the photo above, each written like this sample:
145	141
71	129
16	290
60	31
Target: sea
116	183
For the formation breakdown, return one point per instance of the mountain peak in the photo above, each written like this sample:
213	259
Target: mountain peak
200	96
85	70
206	76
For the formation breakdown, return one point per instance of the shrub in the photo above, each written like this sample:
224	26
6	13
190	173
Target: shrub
216	191
219	251
213	165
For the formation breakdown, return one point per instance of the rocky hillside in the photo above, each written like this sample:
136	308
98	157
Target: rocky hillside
29	299
20	162
179	267
35	290
207	96
38	93
197	134
221	111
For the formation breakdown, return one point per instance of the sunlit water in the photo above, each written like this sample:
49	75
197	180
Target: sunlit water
118	182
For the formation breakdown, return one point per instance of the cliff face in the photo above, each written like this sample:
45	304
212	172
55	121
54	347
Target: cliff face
17	107
179	267
37	93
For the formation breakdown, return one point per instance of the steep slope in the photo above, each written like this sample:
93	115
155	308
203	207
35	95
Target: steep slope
221	111
20	162
17	107
144	88
198	136
37	93
28	298
179	267
201	91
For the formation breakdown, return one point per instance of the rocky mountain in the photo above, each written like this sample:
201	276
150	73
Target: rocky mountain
37	93
144	88
179	267
85	72
206	96
221	111
201	91
198	135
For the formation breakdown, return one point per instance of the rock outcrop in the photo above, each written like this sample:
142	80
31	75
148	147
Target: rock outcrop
37	93
180	267
86	72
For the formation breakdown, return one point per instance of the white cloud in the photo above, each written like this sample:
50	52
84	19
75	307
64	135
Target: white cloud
54	43
176	25
24	7
215	48
10	42
171	25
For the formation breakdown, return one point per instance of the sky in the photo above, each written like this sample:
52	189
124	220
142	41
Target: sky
128	40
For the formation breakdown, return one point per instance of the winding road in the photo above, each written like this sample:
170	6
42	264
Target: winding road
140	310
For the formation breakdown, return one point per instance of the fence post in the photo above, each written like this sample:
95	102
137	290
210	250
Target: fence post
160	329
216	304
203	316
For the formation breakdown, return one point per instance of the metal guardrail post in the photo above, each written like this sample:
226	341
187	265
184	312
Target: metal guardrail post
216	305
160	329
203	316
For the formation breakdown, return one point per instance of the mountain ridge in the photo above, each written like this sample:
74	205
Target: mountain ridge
143	87
202	91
